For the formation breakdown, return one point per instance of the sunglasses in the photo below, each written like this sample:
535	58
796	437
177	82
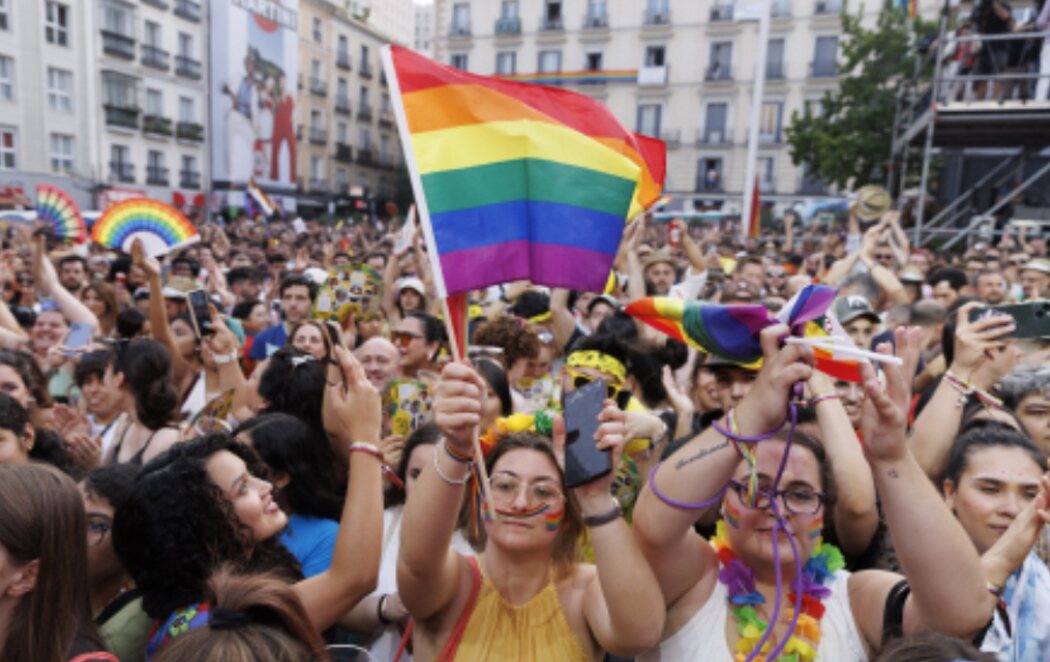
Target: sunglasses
403	338
613	392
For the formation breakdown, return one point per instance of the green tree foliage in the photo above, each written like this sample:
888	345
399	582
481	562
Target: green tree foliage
849	143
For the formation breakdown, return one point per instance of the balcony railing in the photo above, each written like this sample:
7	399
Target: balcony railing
365	156
595	20
318	136
712	136
657	16
189	131
342	105
318	87
189	179
721	13
187	67
344	153
123	116
157	175
159	4
769	138
714	185
672	137
508	26
775	70
719	72
318	185
122	171
157	58
386	118
156	125
459	30
551	24
823	70
188	9
118	45
342	60
364	112
365	70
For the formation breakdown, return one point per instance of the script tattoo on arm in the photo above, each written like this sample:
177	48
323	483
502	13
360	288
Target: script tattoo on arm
700	454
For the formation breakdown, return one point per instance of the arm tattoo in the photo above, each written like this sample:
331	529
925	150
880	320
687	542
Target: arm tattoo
892	473
700	454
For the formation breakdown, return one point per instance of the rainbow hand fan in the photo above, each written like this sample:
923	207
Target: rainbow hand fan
161	228
56	207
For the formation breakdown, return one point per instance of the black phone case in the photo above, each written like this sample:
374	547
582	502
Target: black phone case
1032	318
198	301
583	461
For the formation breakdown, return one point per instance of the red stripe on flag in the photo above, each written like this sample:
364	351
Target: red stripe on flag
845	370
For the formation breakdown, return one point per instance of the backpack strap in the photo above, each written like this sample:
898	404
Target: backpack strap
448	651
893	613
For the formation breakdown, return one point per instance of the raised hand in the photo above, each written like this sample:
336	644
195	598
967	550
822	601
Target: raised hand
764	406
610	436
352	410
982	354
458	402
145	262
884	424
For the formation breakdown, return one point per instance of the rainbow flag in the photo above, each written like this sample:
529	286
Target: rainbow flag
260	198
515	180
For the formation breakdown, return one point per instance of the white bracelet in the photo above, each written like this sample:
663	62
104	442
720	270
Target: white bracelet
223	359
438	450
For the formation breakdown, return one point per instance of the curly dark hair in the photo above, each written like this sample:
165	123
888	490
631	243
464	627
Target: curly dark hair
294	383
177	527
290	447
517	340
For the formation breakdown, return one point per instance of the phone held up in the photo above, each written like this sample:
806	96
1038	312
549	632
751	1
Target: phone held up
200	313
1031	318
584	462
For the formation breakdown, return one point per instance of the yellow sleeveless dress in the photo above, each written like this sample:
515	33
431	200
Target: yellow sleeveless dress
530	633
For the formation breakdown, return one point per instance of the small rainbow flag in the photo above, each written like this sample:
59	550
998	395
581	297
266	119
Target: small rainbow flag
514	180
54	206
260	198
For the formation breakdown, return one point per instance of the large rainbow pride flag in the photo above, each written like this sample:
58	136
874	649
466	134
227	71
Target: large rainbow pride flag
517	181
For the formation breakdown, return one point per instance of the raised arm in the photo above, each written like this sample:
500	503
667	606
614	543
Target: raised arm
563	324
47	283
391	274
159	324
698	471
428	569
941	564
693	252
982	358
352	415
855	515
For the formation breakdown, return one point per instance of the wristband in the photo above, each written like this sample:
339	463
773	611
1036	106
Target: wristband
821	398
379	610
223	359
456	455
441	474
594	521
370	449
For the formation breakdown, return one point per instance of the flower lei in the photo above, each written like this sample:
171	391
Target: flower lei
739	580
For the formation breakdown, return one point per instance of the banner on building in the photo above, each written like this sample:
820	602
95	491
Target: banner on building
254	78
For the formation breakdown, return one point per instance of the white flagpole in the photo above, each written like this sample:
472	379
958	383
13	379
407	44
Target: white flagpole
756	113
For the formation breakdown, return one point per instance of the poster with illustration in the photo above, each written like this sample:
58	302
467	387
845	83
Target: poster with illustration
354	289
406	406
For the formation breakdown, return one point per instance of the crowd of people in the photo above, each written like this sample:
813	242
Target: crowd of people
267	478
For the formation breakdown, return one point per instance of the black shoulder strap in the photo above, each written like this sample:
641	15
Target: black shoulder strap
893	613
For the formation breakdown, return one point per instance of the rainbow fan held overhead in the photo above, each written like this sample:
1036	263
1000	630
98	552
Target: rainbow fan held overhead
54	206
161	228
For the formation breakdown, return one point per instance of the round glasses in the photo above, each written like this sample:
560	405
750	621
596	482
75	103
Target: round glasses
507	487
798	501
97	528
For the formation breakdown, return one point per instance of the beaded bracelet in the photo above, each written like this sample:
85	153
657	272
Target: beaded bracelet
441	474
822	398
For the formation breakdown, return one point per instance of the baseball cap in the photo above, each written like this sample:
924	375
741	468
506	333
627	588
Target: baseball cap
848	308
412	283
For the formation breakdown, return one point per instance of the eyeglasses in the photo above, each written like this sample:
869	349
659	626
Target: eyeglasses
506	488
403	338
97	528
796	501
884	257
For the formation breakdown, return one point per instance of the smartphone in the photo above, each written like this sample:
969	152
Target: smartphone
200	313
1032	318
79	336
584	462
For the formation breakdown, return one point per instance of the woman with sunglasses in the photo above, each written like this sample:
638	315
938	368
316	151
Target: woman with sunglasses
723	597
525	596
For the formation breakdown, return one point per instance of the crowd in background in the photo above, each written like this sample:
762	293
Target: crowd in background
257	480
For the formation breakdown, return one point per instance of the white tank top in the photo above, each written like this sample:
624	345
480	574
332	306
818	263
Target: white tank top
703	637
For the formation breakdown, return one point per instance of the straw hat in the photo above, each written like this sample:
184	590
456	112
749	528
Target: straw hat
872	202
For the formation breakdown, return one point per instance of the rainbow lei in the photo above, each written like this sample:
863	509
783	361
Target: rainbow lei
744	596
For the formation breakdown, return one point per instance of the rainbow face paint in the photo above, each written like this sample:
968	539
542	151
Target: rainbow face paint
732	515
813	532
552	519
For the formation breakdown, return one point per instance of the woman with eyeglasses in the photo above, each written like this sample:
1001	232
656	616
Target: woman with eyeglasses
115	602
45	611
525	596
723	596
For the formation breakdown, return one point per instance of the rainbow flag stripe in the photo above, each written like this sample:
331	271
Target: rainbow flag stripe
54	206
520	181
577	77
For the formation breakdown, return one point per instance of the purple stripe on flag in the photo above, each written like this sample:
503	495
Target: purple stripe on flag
551	264
813	303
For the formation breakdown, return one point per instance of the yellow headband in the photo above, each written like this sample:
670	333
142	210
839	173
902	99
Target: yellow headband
539	319
592	358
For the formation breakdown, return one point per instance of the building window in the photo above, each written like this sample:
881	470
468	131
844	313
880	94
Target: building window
506	63
655	56
721	65
594	61
550	61
187	110
316	119
316	169
365	140
340	133
56	24
189	164
151	35
775	59
365	64
813	107
597	14
459	61
461	18
384	146
60	90
825	56
342	89
8	148
649	119
365	97
317	30
118	90
7	78
117	19
552	15
315	70
509	10
155	103
709	175
5	14
766	171
715	123
769	122
61	153
186	45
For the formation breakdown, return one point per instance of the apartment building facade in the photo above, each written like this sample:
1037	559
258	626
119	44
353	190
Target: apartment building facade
680	70
348	142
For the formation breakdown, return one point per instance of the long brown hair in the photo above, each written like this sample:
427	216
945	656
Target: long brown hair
108	320
261	620
566	551
42	519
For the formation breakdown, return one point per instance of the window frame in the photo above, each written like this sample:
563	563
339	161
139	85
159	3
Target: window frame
55	32
9	152
56	95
